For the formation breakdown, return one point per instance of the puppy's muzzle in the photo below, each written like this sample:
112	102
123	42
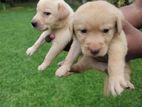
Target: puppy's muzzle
34	24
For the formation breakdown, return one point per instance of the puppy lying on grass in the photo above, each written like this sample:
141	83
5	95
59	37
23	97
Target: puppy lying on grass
53	17
98	31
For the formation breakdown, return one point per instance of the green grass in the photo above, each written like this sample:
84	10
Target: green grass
21	85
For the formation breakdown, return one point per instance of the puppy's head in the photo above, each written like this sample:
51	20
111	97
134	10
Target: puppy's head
49	14
95	25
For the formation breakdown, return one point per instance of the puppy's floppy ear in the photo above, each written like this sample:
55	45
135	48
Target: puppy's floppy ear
119	25
63	11
71	26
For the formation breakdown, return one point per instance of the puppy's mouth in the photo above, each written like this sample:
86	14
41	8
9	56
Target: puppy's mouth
99	54
42	29
94	55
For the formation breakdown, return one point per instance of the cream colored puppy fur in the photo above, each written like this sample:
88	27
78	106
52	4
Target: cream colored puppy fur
98	31
53	17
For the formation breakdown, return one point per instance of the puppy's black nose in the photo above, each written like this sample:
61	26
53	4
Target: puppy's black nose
94	51
34	24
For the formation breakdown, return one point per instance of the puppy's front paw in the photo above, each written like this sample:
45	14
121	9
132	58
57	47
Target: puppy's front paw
30	51
42	67
117	84
62	71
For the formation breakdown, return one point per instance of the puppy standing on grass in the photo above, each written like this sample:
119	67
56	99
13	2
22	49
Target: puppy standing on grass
98	31
53	17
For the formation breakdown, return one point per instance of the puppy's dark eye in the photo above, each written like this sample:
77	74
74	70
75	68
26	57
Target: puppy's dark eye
83	30
105	30
47	13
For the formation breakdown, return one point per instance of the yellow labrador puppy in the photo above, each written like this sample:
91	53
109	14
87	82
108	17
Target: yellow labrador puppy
98	31
53	17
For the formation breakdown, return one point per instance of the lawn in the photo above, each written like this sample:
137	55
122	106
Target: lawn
21	85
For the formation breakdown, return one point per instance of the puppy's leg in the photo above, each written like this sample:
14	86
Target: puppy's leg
53	52
72	55
117	81
82	65
116	65
87	63
30	51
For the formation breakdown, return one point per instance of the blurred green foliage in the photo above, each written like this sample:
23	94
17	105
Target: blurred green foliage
120	2
74	3
115	2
